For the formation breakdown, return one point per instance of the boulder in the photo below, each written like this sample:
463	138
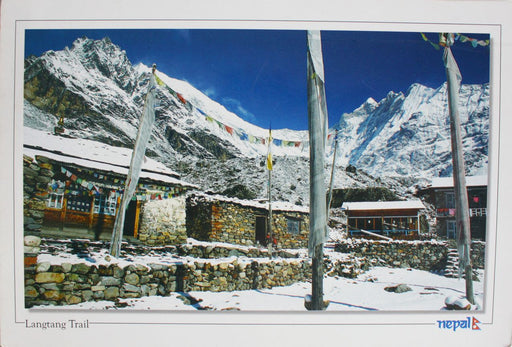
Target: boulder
401	288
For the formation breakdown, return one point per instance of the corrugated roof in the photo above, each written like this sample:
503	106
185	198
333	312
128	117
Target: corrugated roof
94	155
384	205
447	182
276	205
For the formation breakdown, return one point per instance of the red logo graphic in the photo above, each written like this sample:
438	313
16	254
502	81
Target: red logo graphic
474	324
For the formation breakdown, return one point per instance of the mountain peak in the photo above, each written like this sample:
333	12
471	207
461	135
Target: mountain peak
367	107
104	93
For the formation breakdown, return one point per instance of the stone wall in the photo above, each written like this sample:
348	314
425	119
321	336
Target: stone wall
477	252
234	224
36	176
163	222
280	229
199	216
225	221
66	284
422	255
213	268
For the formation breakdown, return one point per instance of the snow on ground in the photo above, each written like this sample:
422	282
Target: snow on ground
365	293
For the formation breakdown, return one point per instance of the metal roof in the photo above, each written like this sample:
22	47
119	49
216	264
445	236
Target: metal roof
383	205
447	182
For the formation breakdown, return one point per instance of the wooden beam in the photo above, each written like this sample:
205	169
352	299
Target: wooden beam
137	213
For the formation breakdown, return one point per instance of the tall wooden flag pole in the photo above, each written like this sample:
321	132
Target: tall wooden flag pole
317	115
333	169
269	168
145	125
454	78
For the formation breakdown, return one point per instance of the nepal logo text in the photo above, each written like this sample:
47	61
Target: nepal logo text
468	323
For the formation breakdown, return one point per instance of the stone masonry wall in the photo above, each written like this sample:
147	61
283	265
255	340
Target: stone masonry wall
233	224
36	176
198	219
280	230
422	255
163	222
236	224
66	284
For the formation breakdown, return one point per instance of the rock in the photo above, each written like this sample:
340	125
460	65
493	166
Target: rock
50	286
81	268
73	299
401	288
132	278
43	266
118	272
32	241
49	277
450	302
53	295
111	293
131	288
98	295
98	288
87	295
30	249
31	292
110	281
66	267
462	304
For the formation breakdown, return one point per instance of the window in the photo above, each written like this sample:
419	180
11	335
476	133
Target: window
450	200
55	200
451	228
293	226
105	205
79	203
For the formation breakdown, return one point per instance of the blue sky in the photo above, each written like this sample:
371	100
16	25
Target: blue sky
261	74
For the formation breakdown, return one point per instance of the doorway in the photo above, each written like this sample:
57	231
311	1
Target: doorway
130	219
261	230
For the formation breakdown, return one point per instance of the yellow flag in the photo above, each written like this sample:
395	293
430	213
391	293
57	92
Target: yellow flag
159	81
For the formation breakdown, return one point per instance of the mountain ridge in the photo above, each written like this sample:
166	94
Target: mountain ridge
100	94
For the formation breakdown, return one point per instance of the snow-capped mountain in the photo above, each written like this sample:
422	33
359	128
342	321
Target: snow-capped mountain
100	96
409	134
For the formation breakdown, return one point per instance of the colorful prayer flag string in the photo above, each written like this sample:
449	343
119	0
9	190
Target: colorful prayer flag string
456	37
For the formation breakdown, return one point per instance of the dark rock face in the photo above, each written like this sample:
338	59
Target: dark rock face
218	148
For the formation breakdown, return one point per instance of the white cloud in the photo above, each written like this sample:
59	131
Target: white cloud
235	106
210	92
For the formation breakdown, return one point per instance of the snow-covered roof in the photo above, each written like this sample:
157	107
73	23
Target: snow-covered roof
276	205
383	205
94	155
447	182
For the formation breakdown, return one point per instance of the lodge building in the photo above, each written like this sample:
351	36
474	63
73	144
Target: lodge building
245	222
76	185
390	219
441	194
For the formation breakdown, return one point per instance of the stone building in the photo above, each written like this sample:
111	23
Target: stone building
244	222
392	219
74	186
441	194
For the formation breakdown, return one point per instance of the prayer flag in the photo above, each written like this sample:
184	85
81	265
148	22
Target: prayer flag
145	126
269	155
317	112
